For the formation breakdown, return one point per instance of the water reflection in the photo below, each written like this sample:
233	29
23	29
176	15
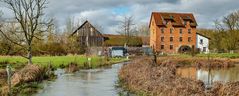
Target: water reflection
95	82
208	77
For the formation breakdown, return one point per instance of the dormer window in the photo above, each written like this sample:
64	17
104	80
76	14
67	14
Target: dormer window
185	22
166	22
171	17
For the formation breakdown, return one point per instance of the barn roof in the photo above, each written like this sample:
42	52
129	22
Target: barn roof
83	25
177	18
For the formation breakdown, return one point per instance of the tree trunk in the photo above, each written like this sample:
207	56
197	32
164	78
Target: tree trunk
29	54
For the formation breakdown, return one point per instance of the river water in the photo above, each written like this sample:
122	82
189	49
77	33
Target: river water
102	82
208	77
93	82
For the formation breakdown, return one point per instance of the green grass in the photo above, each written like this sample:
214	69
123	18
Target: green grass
60	61
212	55
220	55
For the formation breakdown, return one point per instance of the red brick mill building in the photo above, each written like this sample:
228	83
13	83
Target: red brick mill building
172	32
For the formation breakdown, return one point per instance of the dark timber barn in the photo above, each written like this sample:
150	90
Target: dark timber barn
87	35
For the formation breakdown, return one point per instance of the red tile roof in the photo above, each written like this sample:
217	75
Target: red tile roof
177	18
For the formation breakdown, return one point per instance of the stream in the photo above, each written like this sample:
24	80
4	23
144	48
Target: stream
92	82
103	81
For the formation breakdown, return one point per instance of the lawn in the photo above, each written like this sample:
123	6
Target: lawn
60	61
212	55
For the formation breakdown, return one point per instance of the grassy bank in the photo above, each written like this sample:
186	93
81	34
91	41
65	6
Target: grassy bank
60	61
145	78
211	55
27	80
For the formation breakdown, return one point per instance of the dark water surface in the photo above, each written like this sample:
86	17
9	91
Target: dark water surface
93	82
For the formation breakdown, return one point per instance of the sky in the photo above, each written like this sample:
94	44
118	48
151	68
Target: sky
109	13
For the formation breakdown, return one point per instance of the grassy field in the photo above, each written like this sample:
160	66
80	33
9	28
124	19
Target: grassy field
212	55
60	61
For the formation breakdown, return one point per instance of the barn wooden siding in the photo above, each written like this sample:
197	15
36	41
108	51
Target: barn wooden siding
88	35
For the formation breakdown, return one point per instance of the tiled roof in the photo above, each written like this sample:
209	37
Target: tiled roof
177	18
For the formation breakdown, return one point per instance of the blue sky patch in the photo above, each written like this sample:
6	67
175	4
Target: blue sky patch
120	10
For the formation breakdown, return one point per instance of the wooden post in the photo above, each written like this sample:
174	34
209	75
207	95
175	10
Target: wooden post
209	70
155	57
9	74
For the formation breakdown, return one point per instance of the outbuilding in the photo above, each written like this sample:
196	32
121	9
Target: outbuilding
202	43
117	51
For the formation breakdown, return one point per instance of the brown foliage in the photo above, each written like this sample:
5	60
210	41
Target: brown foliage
199	62
29	73
228	89
160	80
214	63
3	73
72	68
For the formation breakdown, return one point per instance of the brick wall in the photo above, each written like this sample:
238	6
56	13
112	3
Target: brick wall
156	35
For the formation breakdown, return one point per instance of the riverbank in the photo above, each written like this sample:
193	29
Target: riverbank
145	78
198	62
29	83
26	81
211	55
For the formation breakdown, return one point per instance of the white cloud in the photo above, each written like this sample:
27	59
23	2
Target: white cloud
100	12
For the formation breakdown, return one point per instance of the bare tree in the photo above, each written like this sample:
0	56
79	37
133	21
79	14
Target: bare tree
143	30
126	27
229	29
29	14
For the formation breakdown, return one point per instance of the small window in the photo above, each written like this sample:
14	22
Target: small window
181	31
171	39
162	39
201	41
171	47
162	30
181	39
171	30
189	31
162	46
189	39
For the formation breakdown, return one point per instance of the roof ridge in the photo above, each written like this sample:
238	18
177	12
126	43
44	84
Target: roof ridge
173	12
